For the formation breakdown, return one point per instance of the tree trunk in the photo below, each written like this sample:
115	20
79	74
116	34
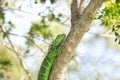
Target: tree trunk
74	37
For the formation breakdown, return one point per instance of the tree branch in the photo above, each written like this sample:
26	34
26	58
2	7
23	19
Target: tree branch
80	6
5	32
13	49
73	39
74	11
29	38
20	60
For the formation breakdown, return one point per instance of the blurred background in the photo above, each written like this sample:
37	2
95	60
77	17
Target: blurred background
28	27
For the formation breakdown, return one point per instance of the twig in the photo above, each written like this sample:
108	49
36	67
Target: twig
28	39
12	49
35	14
5	32
103	35
80	6
63	23
19	58
24	11
21	4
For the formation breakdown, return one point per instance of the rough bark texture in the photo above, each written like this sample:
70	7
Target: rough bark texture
74	11
73	39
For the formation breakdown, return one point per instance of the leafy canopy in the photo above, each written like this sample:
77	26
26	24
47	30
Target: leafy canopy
110	17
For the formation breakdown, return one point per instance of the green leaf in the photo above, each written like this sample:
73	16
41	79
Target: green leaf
1	17
119	41
116	39
5	63
113	29
30	42
11	24
100	16
51	16
52	1
60	15
5	34
42	1
6	4
118	26
116	34
47	35
1	76
117	1
27	51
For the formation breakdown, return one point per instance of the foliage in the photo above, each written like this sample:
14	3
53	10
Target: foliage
5	63
1	16
41	28
110	17
37	30
9	65
8	25
52	1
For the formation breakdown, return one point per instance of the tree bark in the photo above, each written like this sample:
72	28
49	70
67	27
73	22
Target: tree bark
73	39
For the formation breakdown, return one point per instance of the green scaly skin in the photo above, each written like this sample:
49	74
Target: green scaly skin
47	63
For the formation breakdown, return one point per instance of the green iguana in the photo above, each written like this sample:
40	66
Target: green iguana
47	63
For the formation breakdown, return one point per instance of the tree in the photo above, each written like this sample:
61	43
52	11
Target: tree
80	23
79	28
